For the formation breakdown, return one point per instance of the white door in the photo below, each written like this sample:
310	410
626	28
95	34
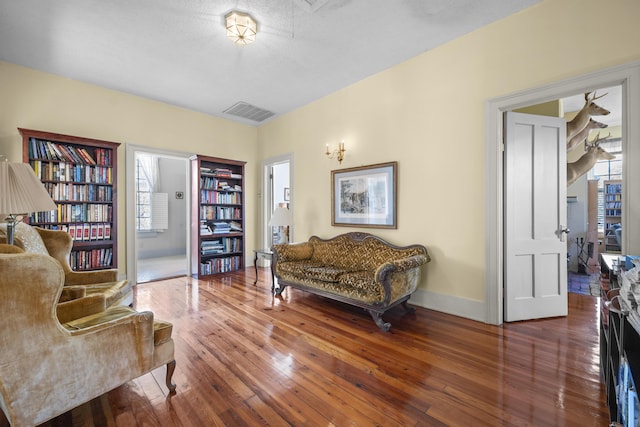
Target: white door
535	279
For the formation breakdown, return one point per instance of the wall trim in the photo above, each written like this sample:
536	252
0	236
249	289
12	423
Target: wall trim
457	306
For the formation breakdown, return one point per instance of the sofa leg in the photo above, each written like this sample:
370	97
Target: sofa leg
278	291
407	308
377	317
171	367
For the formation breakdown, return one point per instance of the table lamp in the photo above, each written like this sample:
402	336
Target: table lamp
21	193
281	218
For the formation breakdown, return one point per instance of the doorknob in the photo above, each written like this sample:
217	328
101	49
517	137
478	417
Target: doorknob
562	232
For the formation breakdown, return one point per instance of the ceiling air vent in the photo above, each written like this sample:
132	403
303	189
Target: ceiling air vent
248	111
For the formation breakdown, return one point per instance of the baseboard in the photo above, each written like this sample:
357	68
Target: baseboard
457	306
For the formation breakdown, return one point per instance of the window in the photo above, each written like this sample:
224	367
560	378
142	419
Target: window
607	170
146	167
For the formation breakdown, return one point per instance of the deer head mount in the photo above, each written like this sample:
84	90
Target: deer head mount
584	133
590	108
593	153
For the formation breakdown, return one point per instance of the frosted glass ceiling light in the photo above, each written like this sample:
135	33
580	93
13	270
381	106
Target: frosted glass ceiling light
241	28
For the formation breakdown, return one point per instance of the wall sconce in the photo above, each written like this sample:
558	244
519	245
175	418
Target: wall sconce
241	28
338	153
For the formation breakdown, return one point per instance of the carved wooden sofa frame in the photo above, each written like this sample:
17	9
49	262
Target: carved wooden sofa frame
356	268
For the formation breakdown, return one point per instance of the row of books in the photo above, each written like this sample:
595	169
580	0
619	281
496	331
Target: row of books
613	188
84	212
84	231
208	228
209	183
79	192
220	172
70	172
209	196
613	205
220	212
613	197
220	265
91	259
220	246
68	153
613	212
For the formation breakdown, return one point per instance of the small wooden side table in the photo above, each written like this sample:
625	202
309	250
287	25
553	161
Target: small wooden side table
265	254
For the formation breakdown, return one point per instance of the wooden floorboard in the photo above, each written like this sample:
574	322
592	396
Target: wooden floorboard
247	358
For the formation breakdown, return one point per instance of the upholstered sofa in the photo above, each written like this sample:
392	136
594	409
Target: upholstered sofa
57	244
355	268
56	356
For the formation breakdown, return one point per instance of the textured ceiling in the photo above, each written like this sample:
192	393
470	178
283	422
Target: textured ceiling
176	51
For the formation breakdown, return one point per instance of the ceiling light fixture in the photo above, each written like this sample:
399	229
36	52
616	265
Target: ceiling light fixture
241	27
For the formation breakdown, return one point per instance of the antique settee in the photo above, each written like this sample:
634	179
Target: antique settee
56	356
355	268
57	243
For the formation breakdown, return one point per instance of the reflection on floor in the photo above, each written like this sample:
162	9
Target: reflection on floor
161	268
585	284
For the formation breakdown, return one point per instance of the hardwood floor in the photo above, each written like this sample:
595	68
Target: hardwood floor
246	358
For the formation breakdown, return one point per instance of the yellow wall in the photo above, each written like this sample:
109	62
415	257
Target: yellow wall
35	100
428	114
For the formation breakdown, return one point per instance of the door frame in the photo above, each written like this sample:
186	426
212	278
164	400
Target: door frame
628	76
267	197
131	150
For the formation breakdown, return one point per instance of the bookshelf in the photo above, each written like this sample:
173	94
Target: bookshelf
619	344
612	214
217	222
80	175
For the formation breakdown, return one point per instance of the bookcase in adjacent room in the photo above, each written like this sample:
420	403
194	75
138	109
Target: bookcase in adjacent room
80	175
612	215
217	223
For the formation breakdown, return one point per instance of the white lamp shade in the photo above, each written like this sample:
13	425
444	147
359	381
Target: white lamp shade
21	192
281	217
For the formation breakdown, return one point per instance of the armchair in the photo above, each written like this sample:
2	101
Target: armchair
58	244
51	359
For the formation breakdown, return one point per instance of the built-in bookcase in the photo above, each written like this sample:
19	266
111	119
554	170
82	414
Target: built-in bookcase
217	216
612	215
80	175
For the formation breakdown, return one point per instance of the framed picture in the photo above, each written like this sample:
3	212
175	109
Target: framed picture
365	196
287	194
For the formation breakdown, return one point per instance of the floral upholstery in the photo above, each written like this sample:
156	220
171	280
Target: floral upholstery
358	268
27	238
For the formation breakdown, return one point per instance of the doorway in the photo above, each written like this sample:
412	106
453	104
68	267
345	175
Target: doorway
628	78
158	195
591	223
278	191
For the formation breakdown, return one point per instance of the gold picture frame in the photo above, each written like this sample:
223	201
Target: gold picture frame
365	196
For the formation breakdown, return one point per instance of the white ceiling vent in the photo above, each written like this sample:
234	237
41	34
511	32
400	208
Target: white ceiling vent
248	111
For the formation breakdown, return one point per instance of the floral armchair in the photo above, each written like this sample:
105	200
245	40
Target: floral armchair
56	356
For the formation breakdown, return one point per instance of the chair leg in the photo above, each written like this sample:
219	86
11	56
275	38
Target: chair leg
171	367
